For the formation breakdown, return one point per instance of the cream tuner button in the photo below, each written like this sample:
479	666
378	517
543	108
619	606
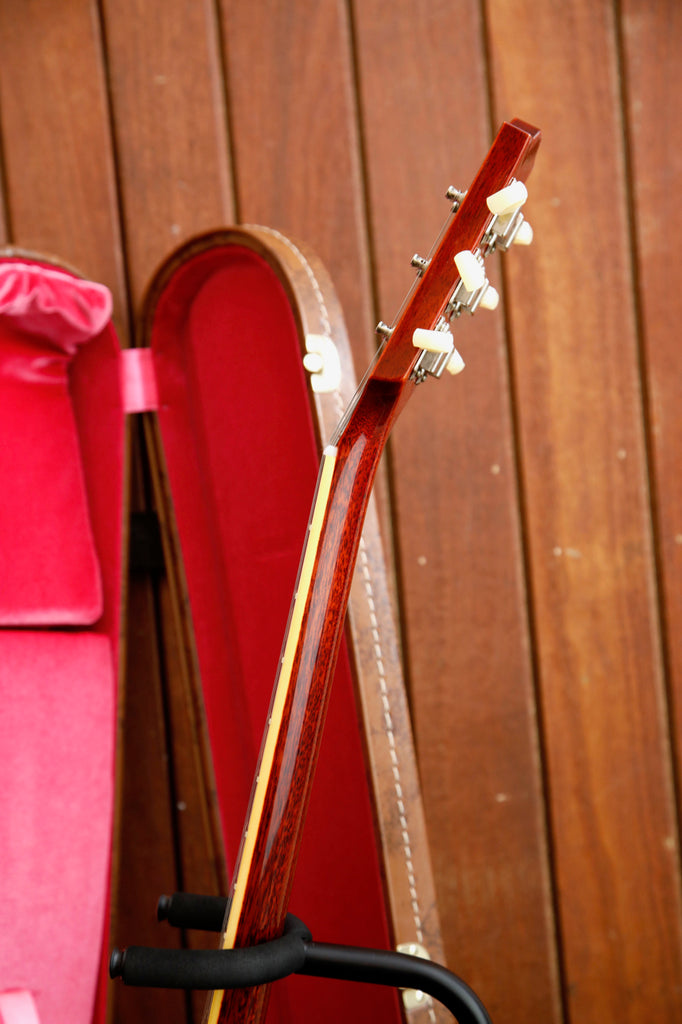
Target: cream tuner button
490	298
508	199
470	270
432	341
455	363
524	236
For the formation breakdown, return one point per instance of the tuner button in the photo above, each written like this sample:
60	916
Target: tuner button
490	298
432	341
455	363
508	199
524	236
470	270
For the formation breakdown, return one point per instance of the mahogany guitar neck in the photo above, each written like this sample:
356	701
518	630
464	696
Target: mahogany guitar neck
450	282
269	847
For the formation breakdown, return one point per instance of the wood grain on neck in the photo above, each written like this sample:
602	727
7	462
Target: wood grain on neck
267	858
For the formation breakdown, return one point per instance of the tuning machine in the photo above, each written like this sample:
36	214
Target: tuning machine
419	263
473	290
438	352
508	226
455	197
383	330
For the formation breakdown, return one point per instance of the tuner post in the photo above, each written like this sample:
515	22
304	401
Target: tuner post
455	197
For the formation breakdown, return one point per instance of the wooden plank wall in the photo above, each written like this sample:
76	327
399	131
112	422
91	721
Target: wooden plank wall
534	504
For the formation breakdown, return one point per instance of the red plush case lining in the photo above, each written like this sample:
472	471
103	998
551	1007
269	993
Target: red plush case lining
239	443
58	686
48	564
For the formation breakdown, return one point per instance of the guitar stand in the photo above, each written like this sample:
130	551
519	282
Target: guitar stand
293	953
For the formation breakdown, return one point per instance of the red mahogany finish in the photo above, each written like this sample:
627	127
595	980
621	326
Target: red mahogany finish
267	859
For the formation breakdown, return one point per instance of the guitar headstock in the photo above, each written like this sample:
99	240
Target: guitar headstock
452	279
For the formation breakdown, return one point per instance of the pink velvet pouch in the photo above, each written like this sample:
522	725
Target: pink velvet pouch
49	572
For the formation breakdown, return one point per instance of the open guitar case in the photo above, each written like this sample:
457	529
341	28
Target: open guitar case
227	424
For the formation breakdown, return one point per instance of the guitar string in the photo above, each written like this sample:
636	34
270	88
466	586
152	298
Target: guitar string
384	692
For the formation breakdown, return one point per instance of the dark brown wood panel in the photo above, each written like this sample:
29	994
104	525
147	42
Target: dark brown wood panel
4	232
57	152
652	38
146	864
170	127
462	587
297	161
172	146
145	860
588	520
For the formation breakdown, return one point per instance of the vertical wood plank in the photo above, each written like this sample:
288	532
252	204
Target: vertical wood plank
146	866
170	126
588	520
4	230
172	146
652	37
457	528
57	149
297	163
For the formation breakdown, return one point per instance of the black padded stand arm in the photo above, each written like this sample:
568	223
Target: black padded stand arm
213	968
293	953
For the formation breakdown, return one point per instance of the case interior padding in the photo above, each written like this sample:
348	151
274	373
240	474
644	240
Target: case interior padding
48	565
241	456
58	686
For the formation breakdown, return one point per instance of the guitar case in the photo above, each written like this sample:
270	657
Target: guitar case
62	467
227	424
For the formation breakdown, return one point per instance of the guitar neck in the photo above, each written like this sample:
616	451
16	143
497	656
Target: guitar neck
269	847
450	282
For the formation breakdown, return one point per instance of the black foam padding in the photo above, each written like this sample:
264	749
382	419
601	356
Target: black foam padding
187	910
213	969
295	953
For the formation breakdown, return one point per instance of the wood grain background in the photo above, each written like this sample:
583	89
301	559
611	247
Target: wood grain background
534	504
